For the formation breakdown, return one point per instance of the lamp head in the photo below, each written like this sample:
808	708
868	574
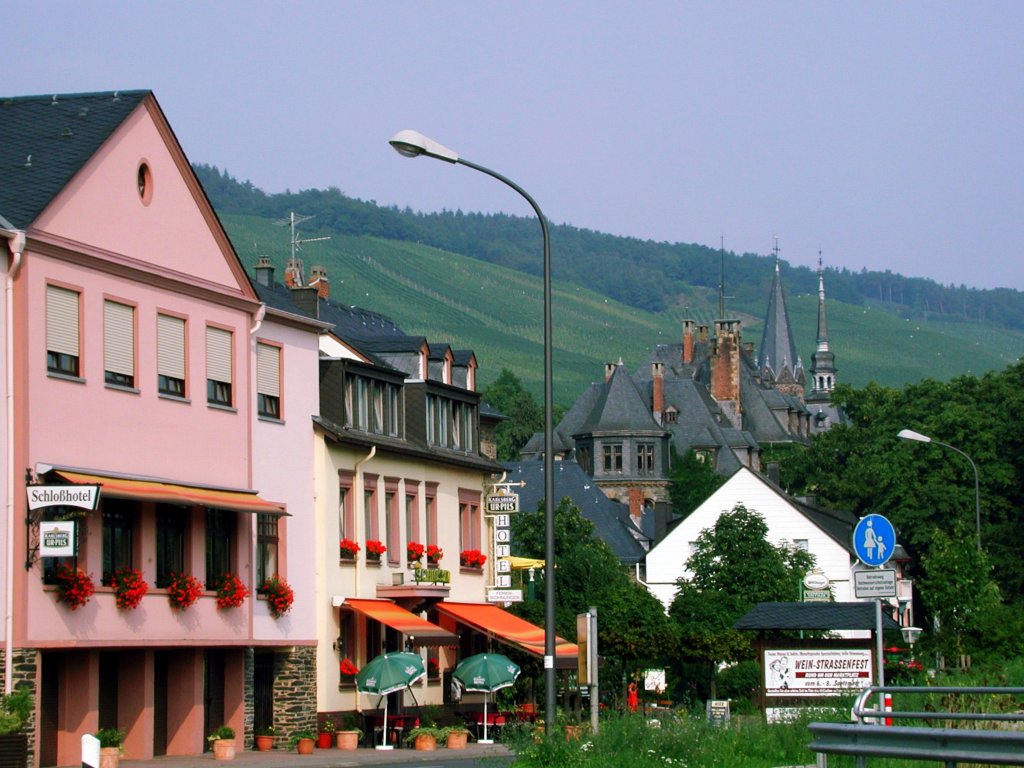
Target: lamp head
413	144
910	634
909	434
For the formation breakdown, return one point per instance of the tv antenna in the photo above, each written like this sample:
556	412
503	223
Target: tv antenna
293	221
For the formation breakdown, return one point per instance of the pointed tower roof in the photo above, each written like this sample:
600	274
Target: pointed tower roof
823	363
620	407
777	353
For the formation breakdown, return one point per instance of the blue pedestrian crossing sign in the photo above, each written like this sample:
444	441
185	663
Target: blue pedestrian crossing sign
874	539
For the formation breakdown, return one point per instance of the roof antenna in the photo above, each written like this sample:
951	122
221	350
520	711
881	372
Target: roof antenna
721	277
294	263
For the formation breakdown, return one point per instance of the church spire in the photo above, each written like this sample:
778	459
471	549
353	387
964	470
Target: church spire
823	369
777	359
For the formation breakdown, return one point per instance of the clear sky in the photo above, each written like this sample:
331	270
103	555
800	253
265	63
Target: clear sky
889	134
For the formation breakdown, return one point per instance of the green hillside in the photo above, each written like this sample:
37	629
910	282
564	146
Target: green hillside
497	312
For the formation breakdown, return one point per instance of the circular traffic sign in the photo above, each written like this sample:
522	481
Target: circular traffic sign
874	540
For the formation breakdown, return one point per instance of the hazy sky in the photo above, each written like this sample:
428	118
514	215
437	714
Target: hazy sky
889	134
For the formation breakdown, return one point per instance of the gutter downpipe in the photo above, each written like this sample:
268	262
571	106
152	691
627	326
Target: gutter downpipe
359	502
16	246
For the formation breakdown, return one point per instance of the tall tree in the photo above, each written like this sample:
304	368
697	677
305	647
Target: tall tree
524	416
692	482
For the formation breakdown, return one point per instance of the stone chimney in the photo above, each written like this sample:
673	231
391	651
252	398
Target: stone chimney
264	271
725	368
609	369
318	279
688	341
306	299
293	274
657	390
702	333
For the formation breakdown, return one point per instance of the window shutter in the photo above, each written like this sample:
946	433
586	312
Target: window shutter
268	370
170	346
61	321
118	338
218	355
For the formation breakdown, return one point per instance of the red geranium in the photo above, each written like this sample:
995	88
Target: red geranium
232	591
348	548
375	548
74	586
129	587
348	668
183	590
434	553
279	595
415	550
472	558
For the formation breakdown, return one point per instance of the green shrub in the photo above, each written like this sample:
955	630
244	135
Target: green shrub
15	710
110	737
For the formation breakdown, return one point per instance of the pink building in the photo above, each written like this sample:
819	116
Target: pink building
139	359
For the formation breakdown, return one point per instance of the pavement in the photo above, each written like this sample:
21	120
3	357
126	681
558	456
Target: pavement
325	758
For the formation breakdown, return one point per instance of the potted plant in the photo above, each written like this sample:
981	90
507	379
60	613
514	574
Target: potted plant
456	736
472	558
374	550
349	734
348	549
279	595
223	740
129	588
325	733
15	709
414	552
348	672
425	737
434	554
111	740
303	742
183	590
231	592
265	739
74	586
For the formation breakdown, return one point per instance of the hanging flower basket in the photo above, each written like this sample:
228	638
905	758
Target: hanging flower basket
472	558
374	549
74	586
434	554
183	590
414	552
279	595
129	588
348	549
232	591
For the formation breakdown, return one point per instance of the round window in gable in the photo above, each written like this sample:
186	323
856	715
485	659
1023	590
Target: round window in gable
145	183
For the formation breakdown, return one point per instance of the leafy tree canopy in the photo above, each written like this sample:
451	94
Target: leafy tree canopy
524	416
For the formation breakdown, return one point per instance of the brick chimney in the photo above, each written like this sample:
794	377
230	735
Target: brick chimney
636	505
609	369
657	390
688	341
293	274
702	333
725	365
318	279
264	271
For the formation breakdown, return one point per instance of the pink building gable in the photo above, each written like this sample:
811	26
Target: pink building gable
168	226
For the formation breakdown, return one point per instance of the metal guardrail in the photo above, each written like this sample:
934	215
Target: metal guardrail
945	745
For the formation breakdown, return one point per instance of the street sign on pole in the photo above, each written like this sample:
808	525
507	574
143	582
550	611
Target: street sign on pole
874	539
879	583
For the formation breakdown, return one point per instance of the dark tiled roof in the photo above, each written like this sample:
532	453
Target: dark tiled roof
611	520
813	616
45	141
777	350
620	407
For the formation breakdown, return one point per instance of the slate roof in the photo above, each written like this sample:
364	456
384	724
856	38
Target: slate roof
835	616
778	351
46	140
611	519
620	408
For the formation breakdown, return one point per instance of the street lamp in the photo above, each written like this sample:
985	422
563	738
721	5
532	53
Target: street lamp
909	434
413	144
910	635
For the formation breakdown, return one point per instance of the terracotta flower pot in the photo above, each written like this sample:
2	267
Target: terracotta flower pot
348	740
110	757
324	740
425	742
224	749
305	746
457	739
264	743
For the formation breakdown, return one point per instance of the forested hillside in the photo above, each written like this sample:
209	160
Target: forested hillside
473	281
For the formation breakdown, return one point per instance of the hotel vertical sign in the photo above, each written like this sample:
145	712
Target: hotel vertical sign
500	504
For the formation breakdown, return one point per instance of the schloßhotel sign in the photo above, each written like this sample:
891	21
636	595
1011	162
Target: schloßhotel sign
57	538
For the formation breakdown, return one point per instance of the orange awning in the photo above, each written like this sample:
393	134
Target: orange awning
175	493
419	631
492	620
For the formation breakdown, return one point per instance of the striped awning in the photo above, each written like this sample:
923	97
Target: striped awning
492	620
419	631
238	500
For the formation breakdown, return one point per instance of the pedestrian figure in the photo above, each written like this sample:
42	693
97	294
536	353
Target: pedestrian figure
871	541
632	699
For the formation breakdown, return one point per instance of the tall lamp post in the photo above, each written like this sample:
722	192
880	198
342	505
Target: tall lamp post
909	434
413	144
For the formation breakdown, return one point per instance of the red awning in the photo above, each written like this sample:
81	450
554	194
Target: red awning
492	620
238	500
419	631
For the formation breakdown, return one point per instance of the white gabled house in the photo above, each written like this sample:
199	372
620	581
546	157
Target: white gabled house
824	533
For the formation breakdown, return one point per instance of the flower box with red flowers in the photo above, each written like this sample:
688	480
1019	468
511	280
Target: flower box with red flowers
183	590
129	588
374	549
231	592
433	669
74	586
348	549
279	595
434	553
414	551
472	558
348	672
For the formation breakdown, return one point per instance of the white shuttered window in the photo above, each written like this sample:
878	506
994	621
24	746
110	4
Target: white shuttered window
268	380
62	332
119	343
170	355
218	366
